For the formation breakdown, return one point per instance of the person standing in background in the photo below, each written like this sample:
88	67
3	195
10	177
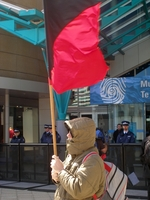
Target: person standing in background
17	138
126	136
100	143
116	132
47	136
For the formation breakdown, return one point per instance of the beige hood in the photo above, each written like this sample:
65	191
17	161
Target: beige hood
83	132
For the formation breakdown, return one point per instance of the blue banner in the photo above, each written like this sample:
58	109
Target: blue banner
121	91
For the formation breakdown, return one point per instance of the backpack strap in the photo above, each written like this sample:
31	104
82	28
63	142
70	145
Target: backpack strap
107	167
88	155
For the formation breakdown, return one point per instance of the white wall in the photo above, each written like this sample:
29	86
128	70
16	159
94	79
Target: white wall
35	125
30	125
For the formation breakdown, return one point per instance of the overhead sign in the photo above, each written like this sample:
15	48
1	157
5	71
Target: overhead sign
121	91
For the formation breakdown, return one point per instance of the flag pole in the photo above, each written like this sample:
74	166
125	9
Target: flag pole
51	101
52	108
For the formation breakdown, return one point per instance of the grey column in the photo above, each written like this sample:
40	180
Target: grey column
6	123
61	130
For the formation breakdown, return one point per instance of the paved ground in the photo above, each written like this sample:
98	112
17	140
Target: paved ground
14	194
20	194
13	190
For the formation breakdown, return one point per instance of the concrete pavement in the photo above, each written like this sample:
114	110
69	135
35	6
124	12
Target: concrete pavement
20	194
15	194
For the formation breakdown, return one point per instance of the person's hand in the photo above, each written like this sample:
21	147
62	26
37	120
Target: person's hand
56	164
54	175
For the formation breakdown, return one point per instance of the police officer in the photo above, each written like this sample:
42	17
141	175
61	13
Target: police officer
17	138
47	136
126	136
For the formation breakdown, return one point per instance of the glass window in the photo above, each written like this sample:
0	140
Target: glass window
134	113
143	70
128	74
26	120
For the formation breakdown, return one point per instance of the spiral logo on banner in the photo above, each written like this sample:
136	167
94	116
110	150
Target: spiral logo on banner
112	90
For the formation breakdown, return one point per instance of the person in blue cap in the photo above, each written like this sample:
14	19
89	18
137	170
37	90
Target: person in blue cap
47	136
126	136
17	138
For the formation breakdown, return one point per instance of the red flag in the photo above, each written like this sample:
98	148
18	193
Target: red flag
72	30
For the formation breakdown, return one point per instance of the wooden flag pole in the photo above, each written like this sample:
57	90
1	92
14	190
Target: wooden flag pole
52	108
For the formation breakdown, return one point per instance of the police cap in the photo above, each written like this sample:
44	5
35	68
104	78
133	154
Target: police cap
50	126
16	131
46	126
125	123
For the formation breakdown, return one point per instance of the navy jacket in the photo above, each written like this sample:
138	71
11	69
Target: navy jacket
14	149
19	139
115	135
129	137
48	138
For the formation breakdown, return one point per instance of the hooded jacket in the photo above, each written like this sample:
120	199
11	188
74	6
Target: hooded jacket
80	181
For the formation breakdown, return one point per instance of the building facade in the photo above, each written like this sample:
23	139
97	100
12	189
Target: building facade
24	94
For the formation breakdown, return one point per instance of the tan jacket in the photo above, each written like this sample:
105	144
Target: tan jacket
80	181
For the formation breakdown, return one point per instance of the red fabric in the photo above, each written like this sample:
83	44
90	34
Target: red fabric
11	133
103	156
78	62
107	167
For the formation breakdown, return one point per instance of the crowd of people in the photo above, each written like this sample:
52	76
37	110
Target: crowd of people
121	135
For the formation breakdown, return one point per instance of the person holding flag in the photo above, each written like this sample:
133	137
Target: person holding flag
78	177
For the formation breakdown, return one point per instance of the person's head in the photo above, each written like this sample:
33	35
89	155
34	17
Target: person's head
16	132
125	125
50	128
81	135
119	127
46	127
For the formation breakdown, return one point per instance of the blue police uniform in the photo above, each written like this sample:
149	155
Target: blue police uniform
126	136
17	139
48	138
15	153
